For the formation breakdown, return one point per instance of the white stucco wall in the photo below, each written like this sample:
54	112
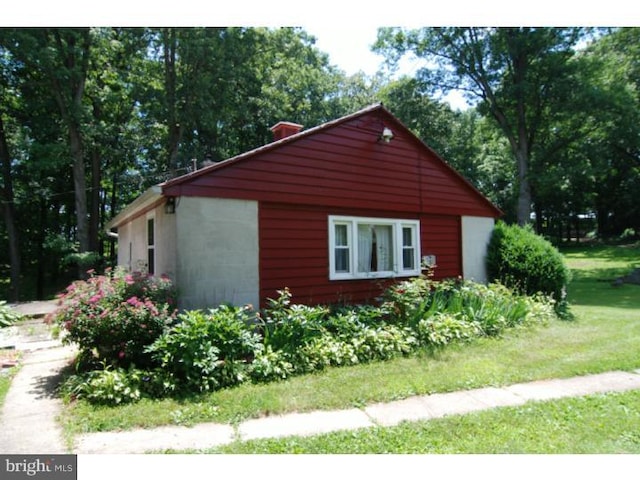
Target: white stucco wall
165	243
132	245
217	252
476	233
133	248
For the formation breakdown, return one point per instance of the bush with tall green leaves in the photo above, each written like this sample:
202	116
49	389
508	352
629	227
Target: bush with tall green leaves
205	351
448	310
114	317
526	262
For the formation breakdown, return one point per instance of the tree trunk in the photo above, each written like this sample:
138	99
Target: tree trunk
170	45
540	228
524	187
113	205
80	188
94	218
9	214
42	261
69	93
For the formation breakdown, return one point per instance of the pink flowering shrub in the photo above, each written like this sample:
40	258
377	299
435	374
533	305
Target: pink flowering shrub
114	317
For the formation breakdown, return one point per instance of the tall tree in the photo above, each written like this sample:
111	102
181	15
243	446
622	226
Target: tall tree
612	149
7	199
511	72
67	65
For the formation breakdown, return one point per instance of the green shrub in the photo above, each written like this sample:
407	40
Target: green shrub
286	326
444	328
493	307
450	310
8	316
312	338
207	351
322	352
269	365
383	342
526	262
110	386
223	347
114	317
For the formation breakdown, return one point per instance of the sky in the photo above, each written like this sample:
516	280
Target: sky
349	47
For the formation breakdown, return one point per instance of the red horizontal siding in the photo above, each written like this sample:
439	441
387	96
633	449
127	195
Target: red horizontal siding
294	252
441	236
345	166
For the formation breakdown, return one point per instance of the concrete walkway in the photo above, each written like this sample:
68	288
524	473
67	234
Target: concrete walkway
28	417
424	407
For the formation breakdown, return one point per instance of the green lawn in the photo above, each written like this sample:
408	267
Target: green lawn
594	424
605	335
5	381
7	374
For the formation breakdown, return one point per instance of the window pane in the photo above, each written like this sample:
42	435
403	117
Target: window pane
151	261
342	260
407	237
341	235
375	248
408	259
384	248
150	232
408	250
365	248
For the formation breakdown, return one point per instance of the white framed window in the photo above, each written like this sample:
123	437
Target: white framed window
151	245
362	247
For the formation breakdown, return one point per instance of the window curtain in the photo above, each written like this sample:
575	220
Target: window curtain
385	248
365	241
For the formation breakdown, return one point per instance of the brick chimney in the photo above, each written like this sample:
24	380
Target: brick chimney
285	129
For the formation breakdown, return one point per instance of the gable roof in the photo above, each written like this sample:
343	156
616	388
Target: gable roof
268	147
175	186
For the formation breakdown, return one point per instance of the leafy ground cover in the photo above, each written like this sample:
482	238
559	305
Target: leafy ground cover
605	335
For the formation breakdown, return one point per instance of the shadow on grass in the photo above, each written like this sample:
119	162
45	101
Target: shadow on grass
594	269
629	253
595	288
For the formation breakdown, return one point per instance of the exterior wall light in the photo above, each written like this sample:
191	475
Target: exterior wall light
170	206
386	135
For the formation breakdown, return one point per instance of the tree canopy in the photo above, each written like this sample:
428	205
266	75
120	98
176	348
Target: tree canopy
90	117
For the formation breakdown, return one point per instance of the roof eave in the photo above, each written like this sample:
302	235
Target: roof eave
141	204
262	149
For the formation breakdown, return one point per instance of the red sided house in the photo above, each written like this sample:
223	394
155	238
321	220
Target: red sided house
333	213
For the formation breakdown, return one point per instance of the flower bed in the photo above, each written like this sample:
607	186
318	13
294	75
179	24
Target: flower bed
135	345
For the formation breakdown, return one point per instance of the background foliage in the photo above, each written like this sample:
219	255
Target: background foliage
90	117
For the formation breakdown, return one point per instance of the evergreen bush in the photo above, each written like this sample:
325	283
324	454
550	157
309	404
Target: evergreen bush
522	260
